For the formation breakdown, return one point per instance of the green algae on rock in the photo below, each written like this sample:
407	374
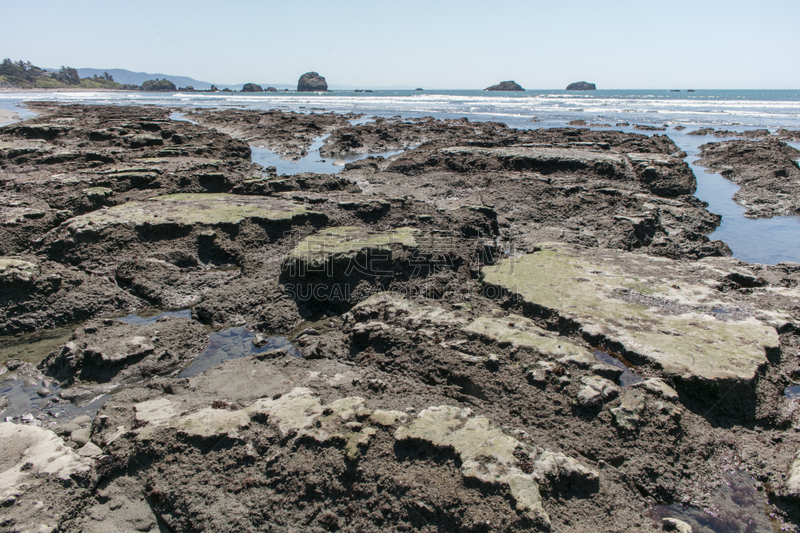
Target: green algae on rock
343	243
520	331
655	315
299	413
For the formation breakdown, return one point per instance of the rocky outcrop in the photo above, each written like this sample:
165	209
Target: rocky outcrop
311	82
704	341
284	132
252	88
39	294
581	86
104	355
510	85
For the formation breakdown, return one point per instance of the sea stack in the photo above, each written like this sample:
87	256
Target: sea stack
252	88
311	82
581	86
510	85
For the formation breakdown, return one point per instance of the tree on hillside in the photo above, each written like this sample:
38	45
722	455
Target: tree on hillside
21	70
7	68
107	76
68	75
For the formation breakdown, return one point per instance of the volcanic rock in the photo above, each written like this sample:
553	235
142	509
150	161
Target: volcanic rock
252	88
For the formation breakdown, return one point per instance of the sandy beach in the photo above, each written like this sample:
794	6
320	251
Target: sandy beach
6	117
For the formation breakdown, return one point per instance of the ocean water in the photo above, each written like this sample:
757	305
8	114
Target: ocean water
759	241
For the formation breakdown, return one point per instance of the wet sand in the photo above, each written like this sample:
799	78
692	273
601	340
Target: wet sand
7	117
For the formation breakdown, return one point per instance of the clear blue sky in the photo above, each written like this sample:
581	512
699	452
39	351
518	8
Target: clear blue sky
444	44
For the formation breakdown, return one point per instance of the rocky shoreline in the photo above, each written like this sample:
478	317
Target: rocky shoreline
499	329
766	170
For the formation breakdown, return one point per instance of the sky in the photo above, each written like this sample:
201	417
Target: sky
434	44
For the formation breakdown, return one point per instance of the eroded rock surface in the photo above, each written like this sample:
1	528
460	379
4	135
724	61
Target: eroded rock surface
104	355
692	331
40	478
439	388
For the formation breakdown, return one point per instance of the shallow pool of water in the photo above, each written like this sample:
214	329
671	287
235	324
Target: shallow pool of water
26	406
627	378
146	318
792	392
33	347
767	240
736	506
181	117
311	162
233	343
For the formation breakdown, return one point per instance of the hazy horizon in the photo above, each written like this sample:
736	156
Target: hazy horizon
434	44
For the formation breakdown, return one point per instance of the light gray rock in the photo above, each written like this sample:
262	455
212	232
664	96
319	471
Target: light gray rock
596	389
81	436
541	372
658	387
581	360
792	486
84	420
35	467
631	406
673	524
65	430
607	371
90	450
259	341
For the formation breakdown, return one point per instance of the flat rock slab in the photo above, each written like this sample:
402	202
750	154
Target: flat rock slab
651	311
188	210
520	331
408	313
491	456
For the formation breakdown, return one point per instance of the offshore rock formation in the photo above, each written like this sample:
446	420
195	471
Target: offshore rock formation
252	88
581	86
311	82
505	86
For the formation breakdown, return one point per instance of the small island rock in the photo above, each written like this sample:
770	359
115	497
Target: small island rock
510	85
311	82
252	88
582	86
159	85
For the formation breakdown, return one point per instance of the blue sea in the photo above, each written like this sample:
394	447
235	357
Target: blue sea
758	241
